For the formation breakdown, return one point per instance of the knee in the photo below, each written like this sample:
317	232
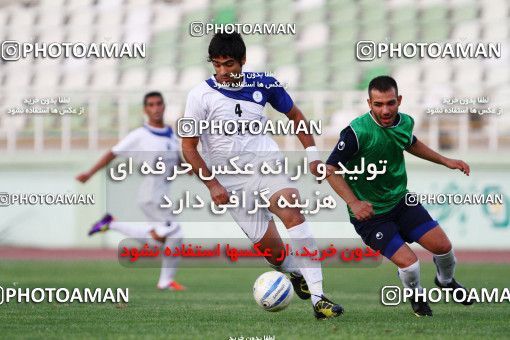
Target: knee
405	260
275	261
156	237
290	216
408	261
293	219
442	247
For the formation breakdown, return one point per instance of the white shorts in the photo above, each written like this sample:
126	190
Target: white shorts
150	194
171	229
255	225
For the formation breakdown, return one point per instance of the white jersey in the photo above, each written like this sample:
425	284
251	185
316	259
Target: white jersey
147	143
213	102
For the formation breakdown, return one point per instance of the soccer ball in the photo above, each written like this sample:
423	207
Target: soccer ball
273	291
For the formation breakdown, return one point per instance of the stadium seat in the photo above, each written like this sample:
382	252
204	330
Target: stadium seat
436	72
310	12
18	75
134	79
166	17
496	31
343	77
47	76
343	11
494	10
252	11
281	11
21	17
257	60
288	74
76	78
195	5
283	52
467	74
163	78
403	20
327	32
313	37
408	75
81	17
467	31
190	77
105	79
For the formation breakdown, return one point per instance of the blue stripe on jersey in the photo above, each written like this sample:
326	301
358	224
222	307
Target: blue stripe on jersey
244	93
273	287
167	133
263	90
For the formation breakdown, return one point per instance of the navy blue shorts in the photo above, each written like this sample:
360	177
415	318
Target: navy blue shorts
389	231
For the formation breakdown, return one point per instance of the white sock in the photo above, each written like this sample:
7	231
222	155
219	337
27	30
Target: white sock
169	263
301	236
135	230
142	232
445	265
410	276
287	266
315	287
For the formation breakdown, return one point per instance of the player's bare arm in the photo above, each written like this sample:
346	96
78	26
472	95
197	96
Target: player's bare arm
181	163
362	210
307	140
421	150
218	193
101	163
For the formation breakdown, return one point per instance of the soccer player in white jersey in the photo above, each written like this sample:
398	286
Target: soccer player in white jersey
227	95
154	139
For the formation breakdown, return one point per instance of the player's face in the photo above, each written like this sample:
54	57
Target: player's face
227	69
384	106
154	109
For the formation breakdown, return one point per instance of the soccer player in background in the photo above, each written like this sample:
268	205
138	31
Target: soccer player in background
154	139
377	207
230	95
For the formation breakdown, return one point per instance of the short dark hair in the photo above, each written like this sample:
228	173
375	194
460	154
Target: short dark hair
227	45
152	94
382	84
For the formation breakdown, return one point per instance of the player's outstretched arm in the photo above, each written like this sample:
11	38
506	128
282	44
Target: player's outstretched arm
103	161
306	140
219	194
362	210
421	150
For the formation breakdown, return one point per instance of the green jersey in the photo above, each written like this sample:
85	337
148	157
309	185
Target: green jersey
382	146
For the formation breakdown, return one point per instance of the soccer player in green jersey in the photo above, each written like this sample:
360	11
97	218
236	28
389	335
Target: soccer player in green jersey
377	207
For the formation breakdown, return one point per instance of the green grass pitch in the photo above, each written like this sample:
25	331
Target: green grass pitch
218	305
